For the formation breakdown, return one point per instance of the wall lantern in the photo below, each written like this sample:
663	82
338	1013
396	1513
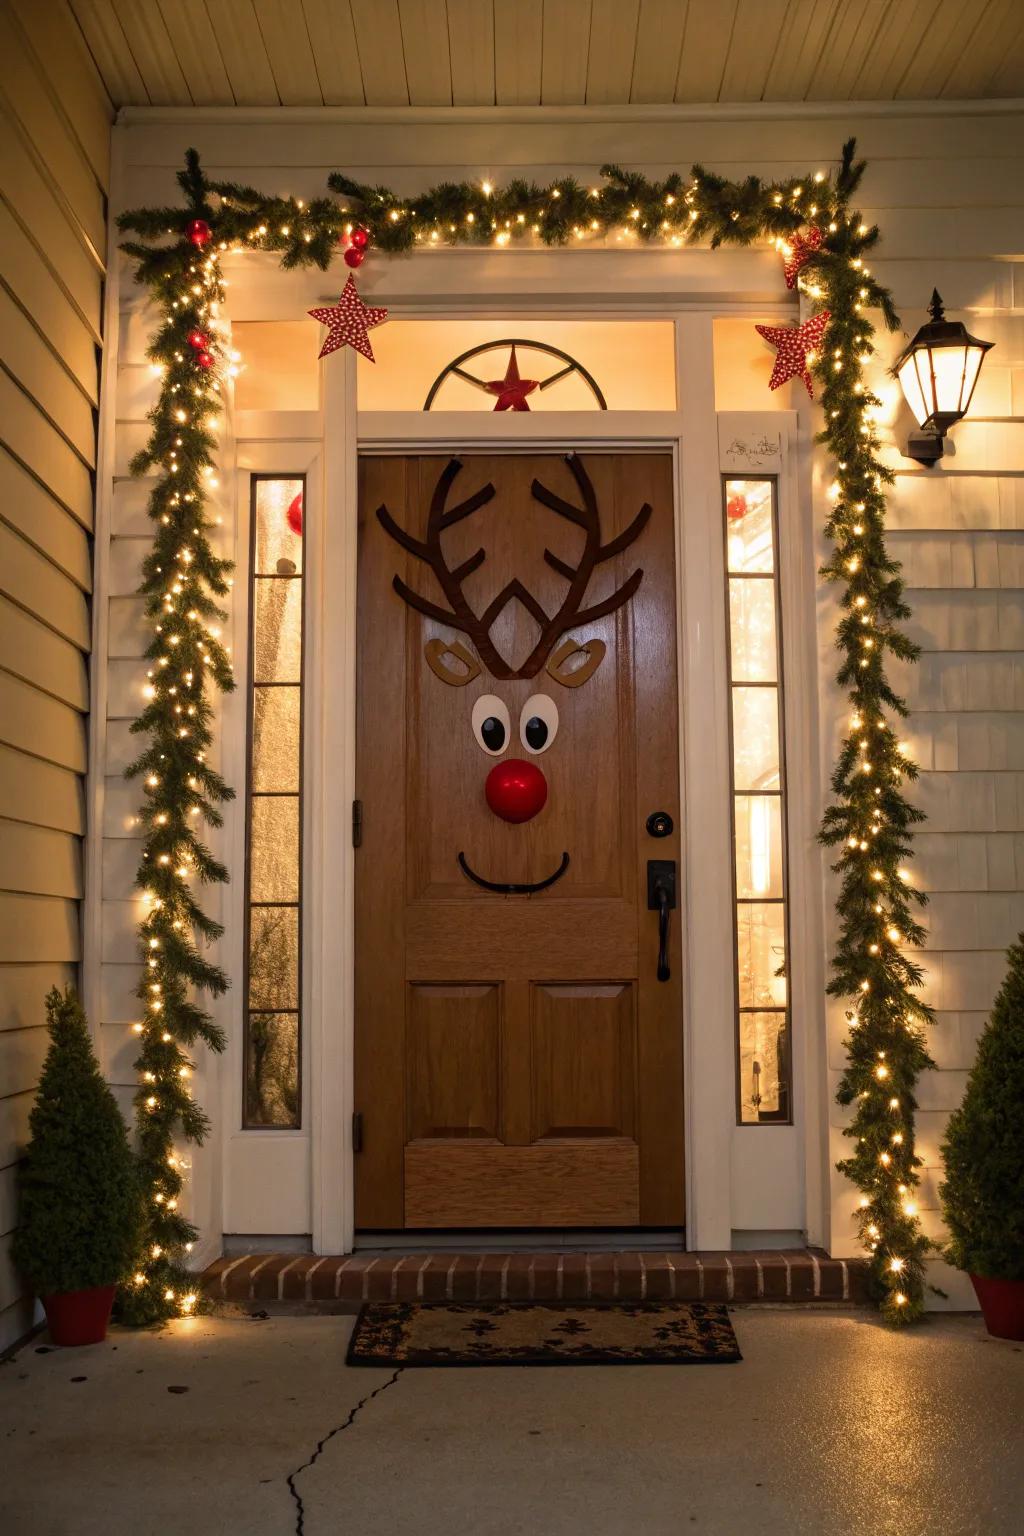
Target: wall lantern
938	372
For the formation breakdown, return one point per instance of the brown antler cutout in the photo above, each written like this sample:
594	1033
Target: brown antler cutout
570	612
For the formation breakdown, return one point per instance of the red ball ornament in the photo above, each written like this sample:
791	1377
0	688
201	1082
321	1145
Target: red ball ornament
205	359
354	257
199	340
199	232
516	790
360	238
294	515
736	507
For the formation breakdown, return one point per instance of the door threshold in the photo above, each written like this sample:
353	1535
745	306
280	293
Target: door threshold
521	1240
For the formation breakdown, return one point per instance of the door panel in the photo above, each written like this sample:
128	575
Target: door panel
517	1062
584	1060
453	1052
567	1184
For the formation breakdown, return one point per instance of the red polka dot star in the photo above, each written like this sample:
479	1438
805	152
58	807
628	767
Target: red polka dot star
794	348
348	321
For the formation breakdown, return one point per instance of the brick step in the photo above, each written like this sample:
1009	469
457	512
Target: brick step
796	1275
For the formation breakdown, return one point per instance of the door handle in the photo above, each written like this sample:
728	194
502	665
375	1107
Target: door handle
661	898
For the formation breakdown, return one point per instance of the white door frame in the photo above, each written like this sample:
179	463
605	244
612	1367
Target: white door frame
690	432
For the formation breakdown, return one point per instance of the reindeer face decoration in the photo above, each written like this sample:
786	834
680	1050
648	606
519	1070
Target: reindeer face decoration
515	788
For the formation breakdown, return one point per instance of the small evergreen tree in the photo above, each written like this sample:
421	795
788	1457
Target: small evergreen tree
983	1151
81	1204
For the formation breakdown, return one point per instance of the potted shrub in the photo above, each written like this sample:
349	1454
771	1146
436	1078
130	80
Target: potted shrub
80	1212
983	1155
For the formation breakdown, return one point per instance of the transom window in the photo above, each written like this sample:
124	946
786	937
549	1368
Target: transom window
631	363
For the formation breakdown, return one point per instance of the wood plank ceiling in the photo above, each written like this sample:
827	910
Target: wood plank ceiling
424	53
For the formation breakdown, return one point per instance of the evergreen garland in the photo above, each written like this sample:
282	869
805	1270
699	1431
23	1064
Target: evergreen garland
182	579
870	818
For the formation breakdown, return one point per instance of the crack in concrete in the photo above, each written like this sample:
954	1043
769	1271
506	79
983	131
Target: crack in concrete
300	1511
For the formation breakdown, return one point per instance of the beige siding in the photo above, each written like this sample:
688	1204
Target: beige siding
54	168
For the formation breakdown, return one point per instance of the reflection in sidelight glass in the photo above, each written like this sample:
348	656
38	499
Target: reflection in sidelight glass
273	988
758	797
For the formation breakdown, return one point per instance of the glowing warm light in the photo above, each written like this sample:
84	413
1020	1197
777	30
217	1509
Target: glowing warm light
760	846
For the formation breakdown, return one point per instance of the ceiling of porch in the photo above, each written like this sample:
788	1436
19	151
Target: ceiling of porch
397	53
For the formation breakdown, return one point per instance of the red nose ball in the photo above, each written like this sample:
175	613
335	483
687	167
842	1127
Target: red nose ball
516	790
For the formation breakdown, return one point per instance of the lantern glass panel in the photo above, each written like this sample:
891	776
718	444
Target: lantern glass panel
972	368
948	364
914	376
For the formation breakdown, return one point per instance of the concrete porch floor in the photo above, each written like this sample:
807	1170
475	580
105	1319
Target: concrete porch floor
830	1424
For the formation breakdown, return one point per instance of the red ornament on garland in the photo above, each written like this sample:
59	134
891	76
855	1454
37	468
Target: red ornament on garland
793	343
294	515
199	232
798	252
199	340
516	790
736	507
360	238
205	359
354	257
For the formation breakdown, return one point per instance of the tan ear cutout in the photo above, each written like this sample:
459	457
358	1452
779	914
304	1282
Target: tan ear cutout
594	650
437	652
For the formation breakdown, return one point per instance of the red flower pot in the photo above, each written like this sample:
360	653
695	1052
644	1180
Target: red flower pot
1002	1305
79	1317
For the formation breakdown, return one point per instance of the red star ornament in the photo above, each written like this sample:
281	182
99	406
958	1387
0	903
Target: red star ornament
792	344
511	390
798	250
348	321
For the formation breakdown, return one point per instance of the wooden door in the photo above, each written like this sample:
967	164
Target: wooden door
518	1063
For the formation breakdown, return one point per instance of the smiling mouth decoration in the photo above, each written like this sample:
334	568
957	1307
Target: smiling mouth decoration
507	888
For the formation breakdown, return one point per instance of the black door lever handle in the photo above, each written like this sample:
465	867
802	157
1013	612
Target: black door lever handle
661	898
663	910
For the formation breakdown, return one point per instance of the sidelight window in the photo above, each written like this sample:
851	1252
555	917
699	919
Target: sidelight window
763	1052
273	865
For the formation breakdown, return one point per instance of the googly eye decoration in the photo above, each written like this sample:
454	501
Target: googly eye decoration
492	726
538	723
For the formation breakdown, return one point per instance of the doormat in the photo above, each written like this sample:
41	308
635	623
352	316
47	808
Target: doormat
542	1333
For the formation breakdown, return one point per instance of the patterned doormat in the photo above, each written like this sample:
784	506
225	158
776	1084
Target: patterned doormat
542	1333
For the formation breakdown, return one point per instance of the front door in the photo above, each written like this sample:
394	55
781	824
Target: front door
518	1060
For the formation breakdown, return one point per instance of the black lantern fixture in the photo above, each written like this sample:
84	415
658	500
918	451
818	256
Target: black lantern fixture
938	372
